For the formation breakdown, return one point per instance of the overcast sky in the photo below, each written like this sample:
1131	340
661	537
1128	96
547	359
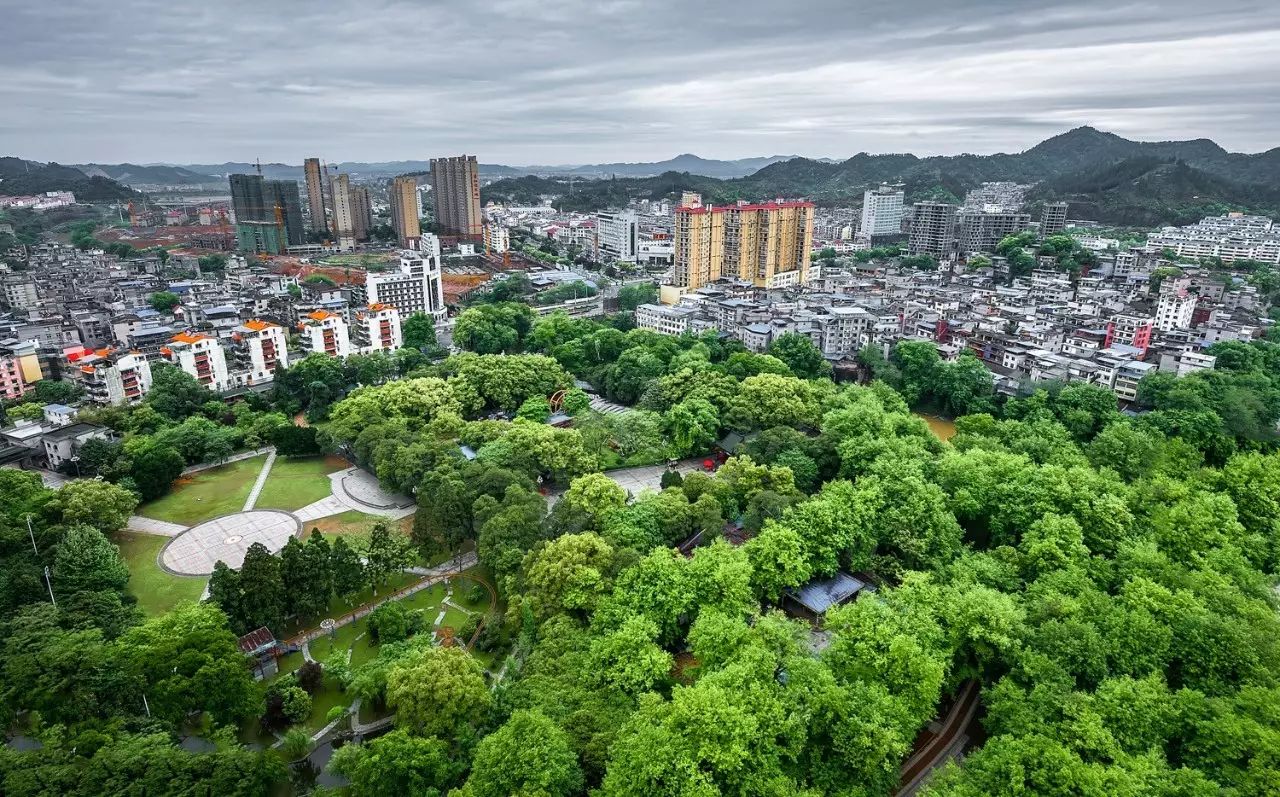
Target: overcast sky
563	81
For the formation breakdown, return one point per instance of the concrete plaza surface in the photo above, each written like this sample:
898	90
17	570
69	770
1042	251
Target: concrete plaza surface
194	551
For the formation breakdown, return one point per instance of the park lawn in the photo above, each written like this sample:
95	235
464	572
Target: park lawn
295	483
455	618
461	586
207	494
328	696
354	526
157	591
363	650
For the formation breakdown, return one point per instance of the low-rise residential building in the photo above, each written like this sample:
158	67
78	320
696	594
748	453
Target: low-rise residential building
377	328
201	356
324	332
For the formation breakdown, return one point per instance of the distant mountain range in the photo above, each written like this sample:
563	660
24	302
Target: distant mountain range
212	173
1106	178
21	177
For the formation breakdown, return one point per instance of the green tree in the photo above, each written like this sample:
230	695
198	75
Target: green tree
164	301
530	755
800	355
264	600
632	296
100	504
397	763
419	331
347	569
87	560
438	691
389	552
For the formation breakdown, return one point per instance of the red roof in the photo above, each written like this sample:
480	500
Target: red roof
255	641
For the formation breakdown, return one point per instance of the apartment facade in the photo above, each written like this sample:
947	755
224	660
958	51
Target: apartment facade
768	244
882	212
260	349
201	356
109	377
325	333
617	233
315	195
455	189
377	328
415	287
497	238
932	230
344	221
404	211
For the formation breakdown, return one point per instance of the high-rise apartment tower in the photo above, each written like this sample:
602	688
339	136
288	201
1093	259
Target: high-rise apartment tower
404	211
455	186
315	195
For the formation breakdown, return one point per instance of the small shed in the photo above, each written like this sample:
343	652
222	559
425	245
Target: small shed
260	646
814	598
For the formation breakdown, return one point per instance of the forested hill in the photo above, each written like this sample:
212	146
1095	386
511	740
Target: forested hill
20	178
1166	182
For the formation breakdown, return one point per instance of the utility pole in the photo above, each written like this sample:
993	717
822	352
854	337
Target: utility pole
33	535
49	583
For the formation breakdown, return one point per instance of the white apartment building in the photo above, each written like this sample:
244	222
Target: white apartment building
1234	236
497	238
377	328
112	377
848	330
202	357
663	318
882	212
1175	310
261	349
325	333
617	233
19	292
1192	361
415	287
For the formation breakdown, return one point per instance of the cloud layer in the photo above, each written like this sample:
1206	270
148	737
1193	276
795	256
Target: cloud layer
564	81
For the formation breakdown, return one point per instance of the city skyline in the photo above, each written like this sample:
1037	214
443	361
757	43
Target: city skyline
623	81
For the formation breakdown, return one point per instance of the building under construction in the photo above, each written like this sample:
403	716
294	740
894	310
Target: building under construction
268	214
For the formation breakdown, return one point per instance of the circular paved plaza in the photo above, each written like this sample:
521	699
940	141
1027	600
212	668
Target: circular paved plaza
194	551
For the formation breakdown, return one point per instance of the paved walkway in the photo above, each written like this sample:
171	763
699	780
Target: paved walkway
322	508
262	479
359	491
226	539
233	458
160	528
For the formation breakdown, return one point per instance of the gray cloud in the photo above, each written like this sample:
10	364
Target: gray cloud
559	81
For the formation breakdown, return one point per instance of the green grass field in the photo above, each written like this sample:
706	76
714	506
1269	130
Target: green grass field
157	591
206	495
294	483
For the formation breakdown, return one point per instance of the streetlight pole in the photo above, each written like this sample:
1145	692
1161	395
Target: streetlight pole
49	583
32	534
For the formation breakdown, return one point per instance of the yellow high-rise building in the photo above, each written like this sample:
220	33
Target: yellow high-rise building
767	244
405	211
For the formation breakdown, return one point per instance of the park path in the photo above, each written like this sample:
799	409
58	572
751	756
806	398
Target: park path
430	576
160	528
325	507
257	452
262	480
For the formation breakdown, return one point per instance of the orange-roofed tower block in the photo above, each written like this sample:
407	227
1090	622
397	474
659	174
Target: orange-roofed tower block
378	329
325	333
109	377
260	348
202	357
